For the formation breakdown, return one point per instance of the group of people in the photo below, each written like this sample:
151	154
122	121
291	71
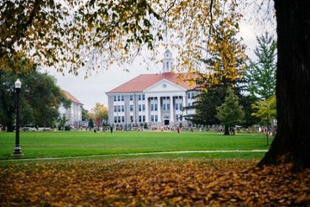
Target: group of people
104	129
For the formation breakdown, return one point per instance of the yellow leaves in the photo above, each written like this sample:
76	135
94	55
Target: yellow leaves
152	182
302	197
265	109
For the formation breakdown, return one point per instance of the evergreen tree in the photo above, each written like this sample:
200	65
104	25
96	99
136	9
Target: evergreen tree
230	112
206	106
225	63
246	101
261	75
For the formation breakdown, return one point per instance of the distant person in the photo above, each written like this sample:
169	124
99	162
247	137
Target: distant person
111	129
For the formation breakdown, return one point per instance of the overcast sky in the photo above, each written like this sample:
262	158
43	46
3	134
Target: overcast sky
92	90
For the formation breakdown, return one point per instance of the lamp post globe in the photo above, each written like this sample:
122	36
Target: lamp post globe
18	84
17	153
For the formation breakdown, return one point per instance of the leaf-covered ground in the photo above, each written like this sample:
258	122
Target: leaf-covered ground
152	182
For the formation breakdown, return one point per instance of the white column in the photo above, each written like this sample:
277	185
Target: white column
171	109
184	104
147	109
136	109
159	109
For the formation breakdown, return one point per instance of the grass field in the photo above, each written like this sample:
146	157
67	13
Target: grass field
68	144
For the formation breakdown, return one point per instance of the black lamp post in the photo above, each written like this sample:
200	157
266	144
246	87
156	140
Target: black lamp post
17	149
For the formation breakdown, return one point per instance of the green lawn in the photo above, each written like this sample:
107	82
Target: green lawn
127	144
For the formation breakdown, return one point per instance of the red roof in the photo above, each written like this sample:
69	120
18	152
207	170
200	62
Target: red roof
71	97
144	81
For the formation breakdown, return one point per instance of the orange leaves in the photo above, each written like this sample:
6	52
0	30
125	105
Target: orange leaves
152	182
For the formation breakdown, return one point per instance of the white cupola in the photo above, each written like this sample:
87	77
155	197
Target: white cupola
167	62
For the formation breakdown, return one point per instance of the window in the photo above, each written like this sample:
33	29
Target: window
141	107
131	107
178	106
166	106
123	108
188	95
153	107
143	97
115	108
179	117
131	97
193	95
153	118
122	98
114	98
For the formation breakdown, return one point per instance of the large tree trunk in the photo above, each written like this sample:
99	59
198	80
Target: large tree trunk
226	130
292	141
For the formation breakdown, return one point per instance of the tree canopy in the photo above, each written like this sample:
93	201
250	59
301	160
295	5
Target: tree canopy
261	74
39	101
205	106
230	113
99	114
72	34
95	34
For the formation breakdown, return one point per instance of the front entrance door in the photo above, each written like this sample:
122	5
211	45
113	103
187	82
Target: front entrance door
166	118
166	122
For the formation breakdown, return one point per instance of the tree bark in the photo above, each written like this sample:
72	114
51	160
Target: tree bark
226	130
292	141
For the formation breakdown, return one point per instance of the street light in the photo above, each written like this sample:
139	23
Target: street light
17	149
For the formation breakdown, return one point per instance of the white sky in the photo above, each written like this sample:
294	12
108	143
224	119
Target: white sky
92	90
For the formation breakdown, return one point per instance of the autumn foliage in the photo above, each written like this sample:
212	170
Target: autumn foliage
152	182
